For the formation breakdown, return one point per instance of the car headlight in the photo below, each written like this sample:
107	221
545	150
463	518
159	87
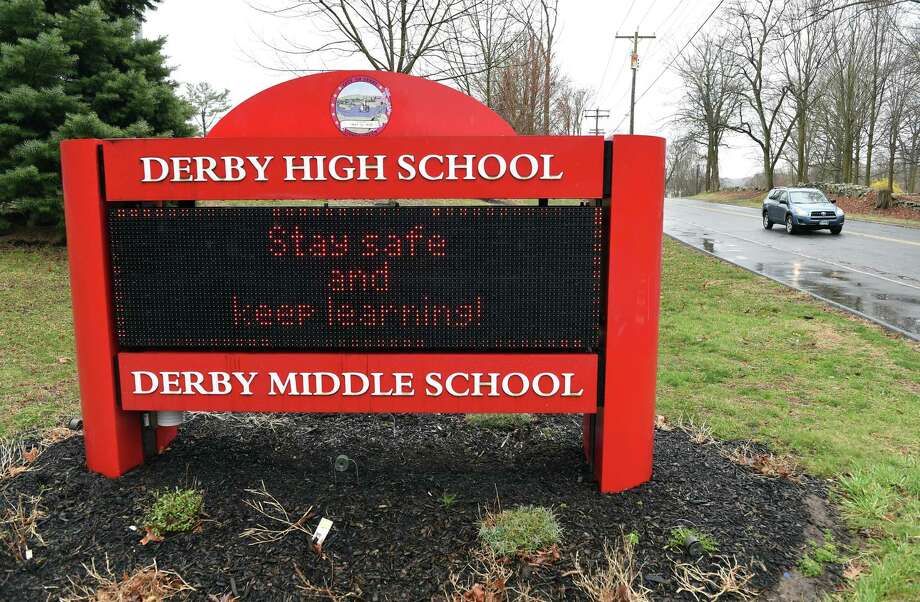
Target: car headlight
838	211
800	212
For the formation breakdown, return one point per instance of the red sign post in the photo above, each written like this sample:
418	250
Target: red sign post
365	309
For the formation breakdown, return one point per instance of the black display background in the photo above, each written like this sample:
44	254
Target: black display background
537	271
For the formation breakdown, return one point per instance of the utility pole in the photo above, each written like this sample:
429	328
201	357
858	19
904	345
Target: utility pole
634	64
597	115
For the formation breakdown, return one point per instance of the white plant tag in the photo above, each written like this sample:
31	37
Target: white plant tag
322	531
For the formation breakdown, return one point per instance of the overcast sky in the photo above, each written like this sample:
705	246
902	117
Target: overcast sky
220	41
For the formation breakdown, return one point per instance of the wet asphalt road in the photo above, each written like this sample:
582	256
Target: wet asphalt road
871	269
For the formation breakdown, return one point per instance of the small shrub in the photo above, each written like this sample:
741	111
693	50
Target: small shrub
499	422
810	567
812	562
684	538
522	530
174	512
632	538
882	184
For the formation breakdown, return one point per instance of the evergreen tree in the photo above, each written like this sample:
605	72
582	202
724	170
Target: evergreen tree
69	69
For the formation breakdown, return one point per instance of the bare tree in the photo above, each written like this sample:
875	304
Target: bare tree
549	10
209	104
880	62
711	97
681	164
569	105
518	97
909	143
804	56
480	44
755	29
845	108
391	35
904	83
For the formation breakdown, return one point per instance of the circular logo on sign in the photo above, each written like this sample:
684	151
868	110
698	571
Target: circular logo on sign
361	106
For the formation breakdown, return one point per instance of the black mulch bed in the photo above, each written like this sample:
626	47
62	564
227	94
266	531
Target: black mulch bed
393	538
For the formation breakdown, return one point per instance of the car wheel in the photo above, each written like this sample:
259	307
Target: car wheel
836	229
790	227
767	224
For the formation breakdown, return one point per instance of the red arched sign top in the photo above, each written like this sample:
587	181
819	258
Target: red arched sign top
300	108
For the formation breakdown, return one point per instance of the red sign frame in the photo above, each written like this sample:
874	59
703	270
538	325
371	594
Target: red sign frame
628	174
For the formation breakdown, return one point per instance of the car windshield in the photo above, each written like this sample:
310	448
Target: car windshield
805	197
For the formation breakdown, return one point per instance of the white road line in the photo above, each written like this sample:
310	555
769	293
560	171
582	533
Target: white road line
833	263
899	240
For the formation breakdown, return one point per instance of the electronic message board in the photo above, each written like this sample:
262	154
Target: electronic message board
353	278
360	308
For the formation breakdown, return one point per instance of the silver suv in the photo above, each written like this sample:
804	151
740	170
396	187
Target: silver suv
801	209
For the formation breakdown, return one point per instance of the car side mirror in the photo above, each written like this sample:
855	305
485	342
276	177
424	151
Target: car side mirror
783	202
834	201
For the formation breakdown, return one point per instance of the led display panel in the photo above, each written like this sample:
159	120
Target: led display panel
357	278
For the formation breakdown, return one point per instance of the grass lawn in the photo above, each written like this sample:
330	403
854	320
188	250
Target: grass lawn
743	198
750	357
38	387
758	361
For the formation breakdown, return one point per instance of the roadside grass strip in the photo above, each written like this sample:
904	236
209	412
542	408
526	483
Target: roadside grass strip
756	361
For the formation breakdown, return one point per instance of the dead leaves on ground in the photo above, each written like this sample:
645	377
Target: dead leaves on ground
17	456
765	463
146	584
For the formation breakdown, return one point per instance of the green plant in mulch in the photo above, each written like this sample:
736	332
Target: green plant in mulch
687	538
812	562
448	499
521	530
499	422
631	538
172	512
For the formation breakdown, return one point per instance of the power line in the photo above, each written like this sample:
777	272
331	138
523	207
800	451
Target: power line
676	56
642	20
612	46
666	33
657	48
678	5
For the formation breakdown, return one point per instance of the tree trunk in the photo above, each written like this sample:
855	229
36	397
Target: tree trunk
884	196
846	157
884	199
715	183
868	179
801	173
767	165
